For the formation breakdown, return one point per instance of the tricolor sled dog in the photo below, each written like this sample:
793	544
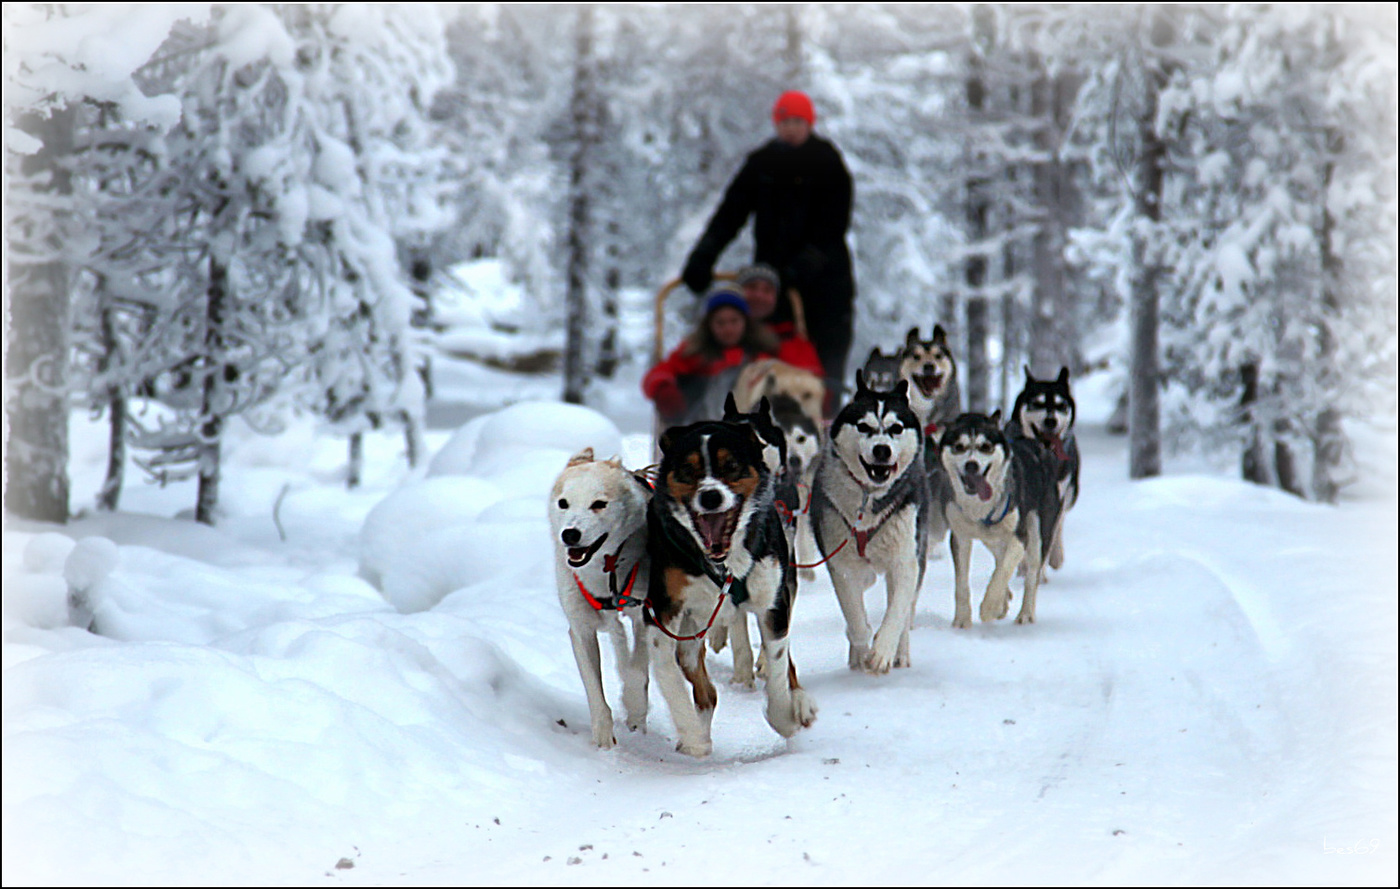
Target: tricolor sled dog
713	532
872	515
598	520
1000	491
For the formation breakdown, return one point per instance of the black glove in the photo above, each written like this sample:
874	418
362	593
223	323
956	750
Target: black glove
699	268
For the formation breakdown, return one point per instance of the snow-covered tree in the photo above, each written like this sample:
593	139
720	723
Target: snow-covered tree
1263	319
56	60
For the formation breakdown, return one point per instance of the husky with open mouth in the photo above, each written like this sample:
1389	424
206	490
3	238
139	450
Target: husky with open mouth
1001	491
1044	412
714	532
932	372
872	516
598	522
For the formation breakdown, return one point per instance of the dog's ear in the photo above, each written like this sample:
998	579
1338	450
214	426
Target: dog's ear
730	408
861	388
940	336
1063	378
874	353
1027	369
996	417
583	456
900	392
911	339
666	439
765	407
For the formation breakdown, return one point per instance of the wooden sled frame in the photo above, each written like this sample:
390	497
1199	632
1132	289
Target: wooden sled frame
658	345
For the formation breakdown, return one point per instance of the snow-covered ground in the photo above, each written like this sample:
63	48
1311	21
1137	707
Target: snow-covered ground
1209	695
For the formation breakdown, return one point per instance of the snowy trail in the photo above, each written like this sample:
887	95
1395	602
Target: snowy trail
1198	703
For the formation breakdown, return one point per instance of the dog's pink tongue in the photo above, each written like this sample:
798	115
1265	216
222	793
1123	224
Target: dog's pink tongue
711	528
978	482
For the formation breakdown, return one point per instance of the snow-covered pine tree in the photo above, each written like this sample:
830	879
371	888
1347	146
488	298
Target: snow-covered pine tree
58	59
1261	309
369	75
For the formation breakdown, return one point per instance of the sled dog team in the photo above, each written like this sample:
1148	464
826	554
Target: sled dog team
740	507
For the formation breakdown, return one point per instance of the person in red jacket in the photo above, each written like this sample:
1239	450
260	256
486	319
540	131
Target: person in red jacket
689	385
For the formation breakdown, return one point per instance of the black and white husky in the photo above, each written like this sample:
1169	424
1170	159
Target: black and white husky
1001	491
1044	412
713	532
871	512
598	520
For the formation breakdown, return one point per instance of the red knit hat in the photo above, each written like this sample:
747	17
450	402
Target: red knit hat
794	104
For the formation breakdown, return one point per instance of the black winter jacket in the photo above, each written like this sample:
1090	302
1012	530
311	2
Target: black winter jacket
800	199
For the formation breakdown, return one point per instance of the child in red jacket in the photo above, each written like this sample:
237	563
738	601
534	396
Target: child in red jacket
725	340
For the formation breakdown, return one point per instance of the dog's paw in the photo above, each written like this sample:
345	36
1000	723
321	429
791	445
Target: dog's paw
994	606
878	663
718	638
962	621
804	709
1025	618
603	739
790	716
855	658
699	750
744	683
902	661
637	723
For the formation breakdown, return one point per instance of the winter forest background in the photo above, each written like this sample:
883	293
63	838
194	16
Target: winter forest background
325	278
218	211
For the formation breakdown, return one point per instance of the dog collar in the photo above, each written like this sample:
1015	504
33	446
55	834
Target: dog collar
1005	508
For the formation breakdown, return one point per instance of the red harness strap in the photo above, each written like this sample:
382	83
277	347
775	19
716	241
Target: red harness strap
620	600
829	555
719	603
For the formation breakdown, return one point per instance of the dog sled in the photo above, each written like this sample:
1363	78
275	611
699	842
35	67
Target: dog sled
719	384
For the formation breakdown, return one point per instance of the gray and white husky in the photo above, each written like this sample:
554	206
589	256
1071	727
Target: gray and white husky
1001	491
598	521
872	516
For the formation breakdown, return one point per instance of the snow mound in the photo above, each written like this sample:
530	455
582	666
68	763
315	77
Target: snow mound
479	520
488	444
396	527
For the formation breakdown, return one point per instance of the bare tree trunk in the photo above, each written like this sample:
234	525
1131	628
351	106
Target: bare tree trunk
1330	445
212	425
1254	463
576	299
413	438
612	279
1144	409
111	492
792	49
978	208
36	366
1050	327
355	462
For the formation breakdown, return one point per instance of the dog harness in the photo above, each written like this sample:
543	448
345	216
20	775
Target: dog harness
1005	508
617	601
861	537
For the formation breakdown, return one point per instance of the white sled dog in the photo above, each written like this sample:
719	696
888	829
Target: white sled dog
598	520
872	514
